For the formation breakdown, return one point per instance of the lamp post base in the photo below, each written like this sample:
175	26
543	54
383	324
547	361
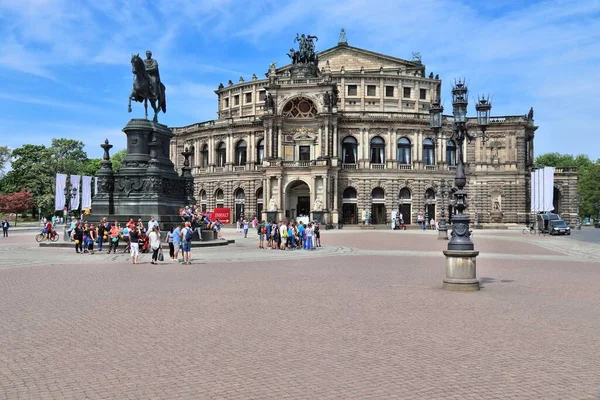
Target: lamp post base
461	272
442	234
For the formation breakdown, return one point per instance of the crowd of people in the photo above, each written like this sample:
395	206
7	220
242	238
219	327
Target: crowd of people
287	235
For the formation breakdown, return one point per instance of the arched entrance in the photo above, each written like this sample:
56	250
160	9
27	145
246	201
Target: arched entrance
349	206
297	200
429	205
240	202
259	203
378	212
405	205
557	201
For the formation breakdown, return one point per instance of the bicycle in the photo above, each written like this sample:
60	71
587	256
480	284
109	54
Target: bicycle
40	237
529	229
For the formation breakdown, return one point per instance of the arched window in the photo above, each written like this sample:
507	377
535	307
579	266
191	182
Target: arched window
377	150
300	107
260	151
404	150
349	150
405	194
204	156
240	153
220	198
430	194
451	153
221	154
349	193
378	194
193	156
240	196
202	196
428	154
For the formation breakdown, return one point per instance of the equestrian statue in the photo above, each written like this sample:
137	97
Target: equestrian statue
147	85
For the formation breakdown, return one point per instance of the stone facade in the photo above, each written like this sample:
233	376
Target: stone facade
369	154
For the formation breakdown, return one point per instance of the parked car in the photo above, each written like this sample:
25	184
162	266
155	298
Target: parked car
544	221
559	227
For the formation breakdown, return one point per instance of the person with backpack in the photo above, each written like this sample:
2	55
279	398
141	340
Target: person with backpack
261	230
5	226
186	242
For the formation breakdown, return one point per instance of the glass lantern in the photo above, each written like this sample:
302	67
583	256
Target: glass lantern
435	116
483	108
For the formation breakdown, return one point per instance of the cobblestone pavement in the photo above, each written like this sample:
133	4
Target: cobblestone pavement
361	318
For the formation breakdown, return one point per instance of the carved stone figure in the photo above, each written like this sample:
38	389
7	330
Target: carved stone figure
327	100
343	40
318	206
530	114
269	103
334	96
272	204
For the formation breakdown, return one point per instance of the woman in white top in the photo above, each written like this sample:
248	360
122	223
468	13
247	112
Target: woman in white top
154	238
309	237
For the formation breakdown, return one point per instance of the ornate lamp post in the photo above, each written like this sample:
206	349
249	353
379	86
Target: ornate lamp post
460	256
70	193
443	228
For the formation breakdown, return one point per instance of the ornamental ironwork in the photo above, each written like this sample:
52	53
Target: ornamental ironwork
300	107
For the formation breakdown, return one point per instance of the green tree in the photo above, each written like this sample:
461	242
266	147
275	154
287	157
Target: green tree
68	156
91	167
117	159
589	190
4	157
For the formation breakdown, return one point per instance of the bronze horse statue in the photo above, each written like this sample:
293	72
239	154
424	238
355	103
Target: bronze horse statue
142	90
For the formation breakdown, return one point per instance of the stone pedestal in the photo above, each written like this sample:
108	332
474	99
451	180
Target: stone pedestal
318	216
147	184
272	216
461	272
443	234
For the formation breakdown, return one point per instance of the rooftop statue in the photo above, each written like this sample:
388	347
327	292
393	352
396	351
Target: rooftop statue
147	84
306	50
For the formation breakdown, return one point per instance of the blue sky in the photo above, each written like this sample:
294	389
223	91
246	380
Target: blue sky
65	70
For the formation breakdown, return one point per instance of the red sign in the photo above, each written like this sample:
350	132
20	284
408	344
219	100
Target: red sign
224	214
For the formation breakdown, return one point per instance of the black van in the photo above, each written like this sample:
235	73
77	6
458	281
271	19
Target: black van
544	221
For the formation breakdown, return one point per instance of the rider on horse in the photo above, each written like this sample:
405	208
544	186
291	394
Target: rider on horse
153	73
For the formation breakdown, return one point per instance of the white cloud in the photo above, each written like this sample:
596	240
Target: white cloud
545	54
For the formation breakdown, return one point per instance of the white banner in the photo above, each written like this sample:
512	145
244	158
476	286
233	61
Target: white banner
95	185
86	192
542	190
533	197
548	186
75	185
59	197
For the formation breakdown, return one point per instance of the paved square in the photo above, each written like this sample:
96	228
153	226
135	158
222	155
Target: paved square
362	318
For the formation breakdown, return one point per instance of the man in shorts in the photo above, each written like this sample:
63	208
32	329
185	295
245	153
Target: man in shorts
186	245
176	242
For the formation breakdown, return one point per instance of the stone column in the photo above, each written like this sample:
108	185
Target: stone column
335	140
313	190
251	156
324	196
364	144
280	196
279	142
334	215
211	150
